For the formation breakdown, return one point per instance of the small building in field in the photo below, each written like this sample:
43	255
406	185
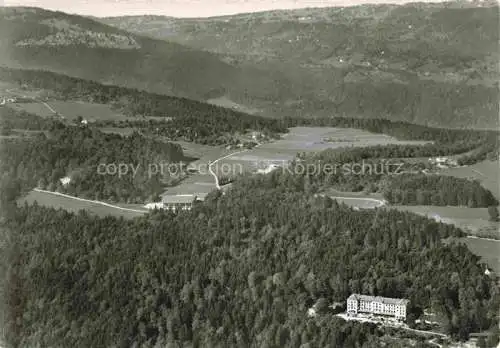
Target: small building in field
65	181
377	305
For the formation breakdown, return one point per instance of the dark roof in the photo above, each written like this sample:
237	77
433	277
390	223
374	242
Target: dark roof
381	299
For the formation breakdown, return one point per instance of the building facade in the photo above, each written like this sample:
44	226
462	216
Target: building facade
376	305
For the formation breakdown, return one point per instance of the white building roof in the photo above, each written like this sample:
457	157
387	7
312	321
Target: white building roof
385	300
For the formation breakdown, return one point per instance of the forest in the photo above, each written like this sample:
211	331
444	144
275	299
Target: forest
239	270
90	158
438	190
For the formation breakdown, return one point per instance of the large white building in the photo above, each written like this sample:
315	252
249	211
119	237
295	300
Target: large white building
376	305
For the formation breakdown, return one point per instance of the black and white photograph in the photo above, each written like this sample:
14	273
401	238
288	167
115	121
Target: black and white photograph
249	174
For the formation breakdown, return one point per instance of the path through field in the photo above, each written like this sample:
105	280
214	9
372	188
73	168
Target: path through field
91	201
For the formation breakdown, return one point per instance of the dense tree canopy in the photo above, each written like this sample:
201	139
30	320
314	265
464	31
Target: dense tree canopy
240	270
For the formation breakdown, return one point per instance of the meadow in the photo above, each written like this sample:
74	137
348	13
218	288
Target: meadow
488	250
474	221
72	109
309	139
72	205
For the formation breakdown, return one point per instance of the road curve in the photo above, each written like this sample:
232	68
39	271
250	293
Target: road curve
210	164
380	202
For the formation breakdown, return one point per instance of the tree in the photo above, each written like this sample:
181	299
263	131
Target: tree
493	212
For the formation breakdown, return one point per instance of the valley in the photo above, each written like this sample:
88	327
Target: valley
239	181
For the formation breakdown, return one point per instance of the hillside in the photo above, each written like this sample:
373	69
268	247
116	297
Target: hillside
357	62
414	54
81	47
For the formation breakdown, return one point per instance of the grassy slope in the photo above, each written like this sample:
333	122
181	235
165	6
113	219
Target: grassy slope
72	205
486	172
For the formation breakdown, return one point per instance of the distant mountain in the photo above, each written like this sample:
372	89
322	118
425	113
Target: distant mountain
426	64
81	47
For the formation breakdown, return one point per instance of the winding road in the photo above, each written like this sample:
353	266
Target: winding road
210	164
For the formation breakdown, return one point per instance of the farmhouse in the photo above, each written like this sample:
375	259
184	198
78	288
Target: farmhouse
178	202
376	305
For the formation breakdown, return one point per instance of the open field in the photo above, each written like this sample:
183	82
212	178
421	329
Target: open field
72	109
73	205
201	182
474	221
203	153
302	139
489	251
321	138
311	139
487	172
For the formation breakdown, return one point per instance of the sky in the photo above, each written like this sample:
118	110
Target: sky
180	8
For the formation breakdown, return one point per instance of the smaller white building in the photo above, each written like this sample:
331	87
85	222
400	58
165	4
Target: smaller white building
65	181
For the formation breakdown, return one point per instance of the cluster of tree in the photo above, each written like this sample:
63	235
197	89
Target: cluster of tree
239	270
421	189
16	119
100	166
